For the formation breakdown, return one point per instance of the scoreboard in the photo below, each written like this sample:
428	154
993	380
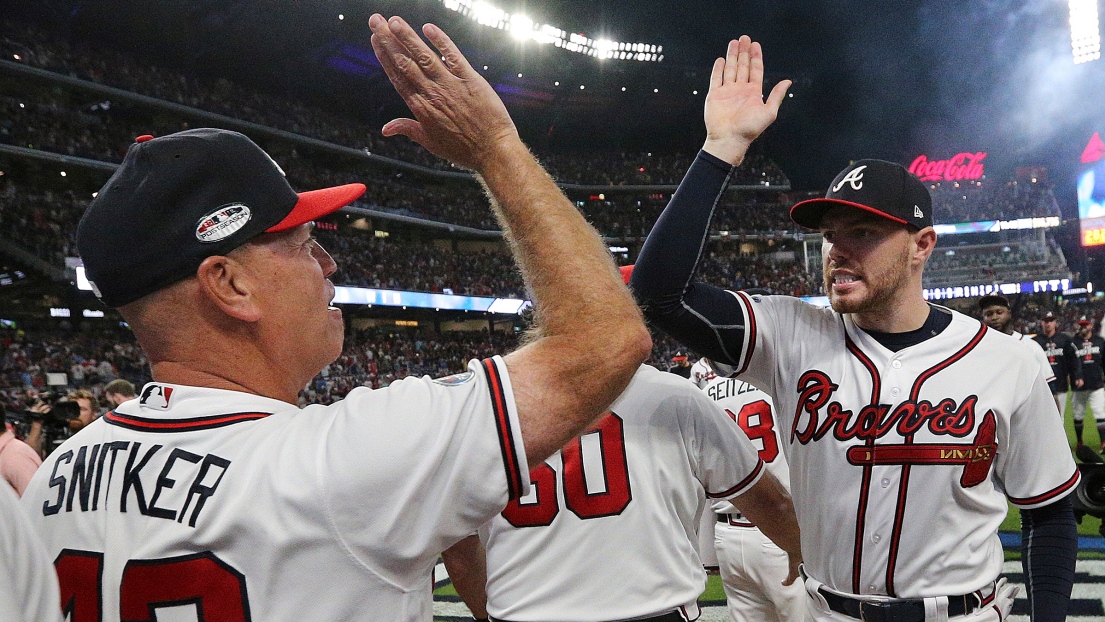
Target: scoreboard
1091	192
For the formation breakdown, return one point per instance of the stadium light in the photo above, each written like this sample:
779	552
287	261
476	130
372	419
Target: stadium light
524	28
1085	31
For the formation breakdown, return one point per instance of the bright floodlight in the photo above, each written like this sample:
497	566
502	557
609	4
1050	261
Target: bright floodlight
524	28
1085	31
521	26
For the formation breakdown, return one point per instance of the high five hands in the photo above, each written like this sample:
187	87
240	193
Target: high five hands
736	112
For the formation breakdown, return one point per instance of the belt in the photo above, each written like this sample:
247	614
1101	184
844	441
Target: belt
734	519
908	610
671	616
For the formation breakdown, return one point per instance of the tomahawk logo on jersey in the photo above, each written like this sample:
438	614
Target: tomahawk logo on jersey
901	435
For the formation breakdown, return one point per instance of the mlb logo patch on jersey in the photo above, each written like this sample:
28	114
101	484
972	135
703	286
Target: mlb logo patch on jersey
156	396
455	379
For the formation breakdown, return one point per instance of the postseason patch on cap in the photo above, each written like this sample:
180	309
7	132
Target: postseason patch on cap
222	223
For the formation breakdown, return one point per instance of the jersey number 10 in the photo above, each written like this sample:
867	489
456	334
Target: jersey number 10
217	590
584	504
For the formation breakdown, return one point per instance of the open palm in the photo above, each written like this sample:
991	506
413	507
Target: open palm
736	112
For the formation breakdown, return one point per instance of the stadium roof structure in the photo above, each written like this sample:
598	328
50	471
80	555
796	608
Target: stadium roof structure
874	79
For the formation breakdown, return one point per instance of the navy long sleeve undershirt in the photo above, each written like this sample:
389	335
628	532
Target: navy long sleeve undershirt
703	317
1048	553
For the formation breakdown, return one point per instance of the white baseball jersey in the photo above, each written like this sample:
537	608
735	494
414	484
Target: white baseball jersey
1037	353
608	529
241	507
752	567
901	462
28	585
702	373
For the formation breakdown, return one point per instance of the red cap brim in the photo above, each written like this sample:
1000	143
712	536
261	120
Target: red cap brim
315	204
809	213
627	271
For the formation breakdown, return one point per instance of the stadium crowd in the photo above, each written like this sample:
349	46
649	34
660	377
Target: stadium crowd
92	356
109	67
968	201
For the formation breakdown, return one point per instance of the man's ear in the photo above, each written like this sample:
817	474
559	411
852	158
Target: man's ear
228	285
925	239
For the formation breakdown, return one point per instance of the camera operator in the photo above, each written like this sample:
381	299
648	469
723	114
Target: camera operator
54	421
18	461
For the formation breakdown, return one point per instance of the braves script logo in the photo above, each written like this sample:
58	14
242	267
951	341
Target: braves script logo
816	416
156	396
959	166
854	178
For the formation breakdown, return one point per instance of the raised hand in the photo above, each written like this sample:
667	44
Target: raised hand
736	112
457	115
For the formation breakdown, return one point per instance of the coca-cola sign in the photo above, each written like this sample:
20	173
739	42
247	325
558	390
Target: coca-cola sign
959	167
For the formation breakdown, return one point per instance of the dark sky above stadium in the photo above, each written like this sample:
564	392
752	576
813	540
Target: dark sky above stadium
876	78
897	79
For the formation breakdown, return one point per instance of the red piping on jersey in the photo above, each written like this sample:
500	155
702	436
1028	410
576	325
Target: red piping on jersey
1051	494
903	489
751	332
865	488
744	482
144	424
502	425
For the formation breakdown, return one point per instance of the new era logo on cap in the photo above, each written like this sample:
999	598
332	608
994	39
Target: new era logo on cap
883	188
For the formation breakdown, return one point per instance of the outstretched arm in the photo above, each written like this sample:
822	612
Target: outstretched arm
581	305
768	505
704	317
466	563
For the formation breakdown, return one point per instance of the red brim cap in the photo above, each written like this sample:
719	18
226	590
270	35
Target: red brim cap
627	271
809	213
315	204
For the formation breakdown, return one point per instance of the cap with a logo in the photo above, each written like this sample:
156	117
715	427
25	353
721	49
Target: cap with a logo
1049	316
883	188
990	300
181	198
1085	321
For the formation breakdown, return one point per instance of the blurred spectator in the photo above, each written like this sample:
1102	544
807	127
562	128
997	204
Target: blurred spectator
118	391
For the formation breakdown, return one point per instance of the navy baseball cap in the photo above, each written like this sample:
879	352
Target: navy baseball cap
990	300
883	188
181	198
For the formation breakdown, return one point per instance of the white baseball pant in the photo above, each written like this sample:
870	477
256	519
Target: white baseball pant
752	570
1095	400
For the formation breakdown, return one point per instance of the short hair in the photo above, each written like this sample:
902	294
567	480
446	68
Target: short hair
3	416
83	394
119	387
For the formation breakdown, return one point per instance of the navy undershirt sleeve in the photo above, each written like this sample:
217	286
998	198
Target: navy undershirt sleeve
1048	553
705	318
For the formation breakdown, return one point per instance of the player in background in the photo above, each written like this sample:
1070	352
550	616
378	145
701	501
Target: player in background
30	586
909	425
997	315
1065	364
213	491
752	567
1091	394
629	492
